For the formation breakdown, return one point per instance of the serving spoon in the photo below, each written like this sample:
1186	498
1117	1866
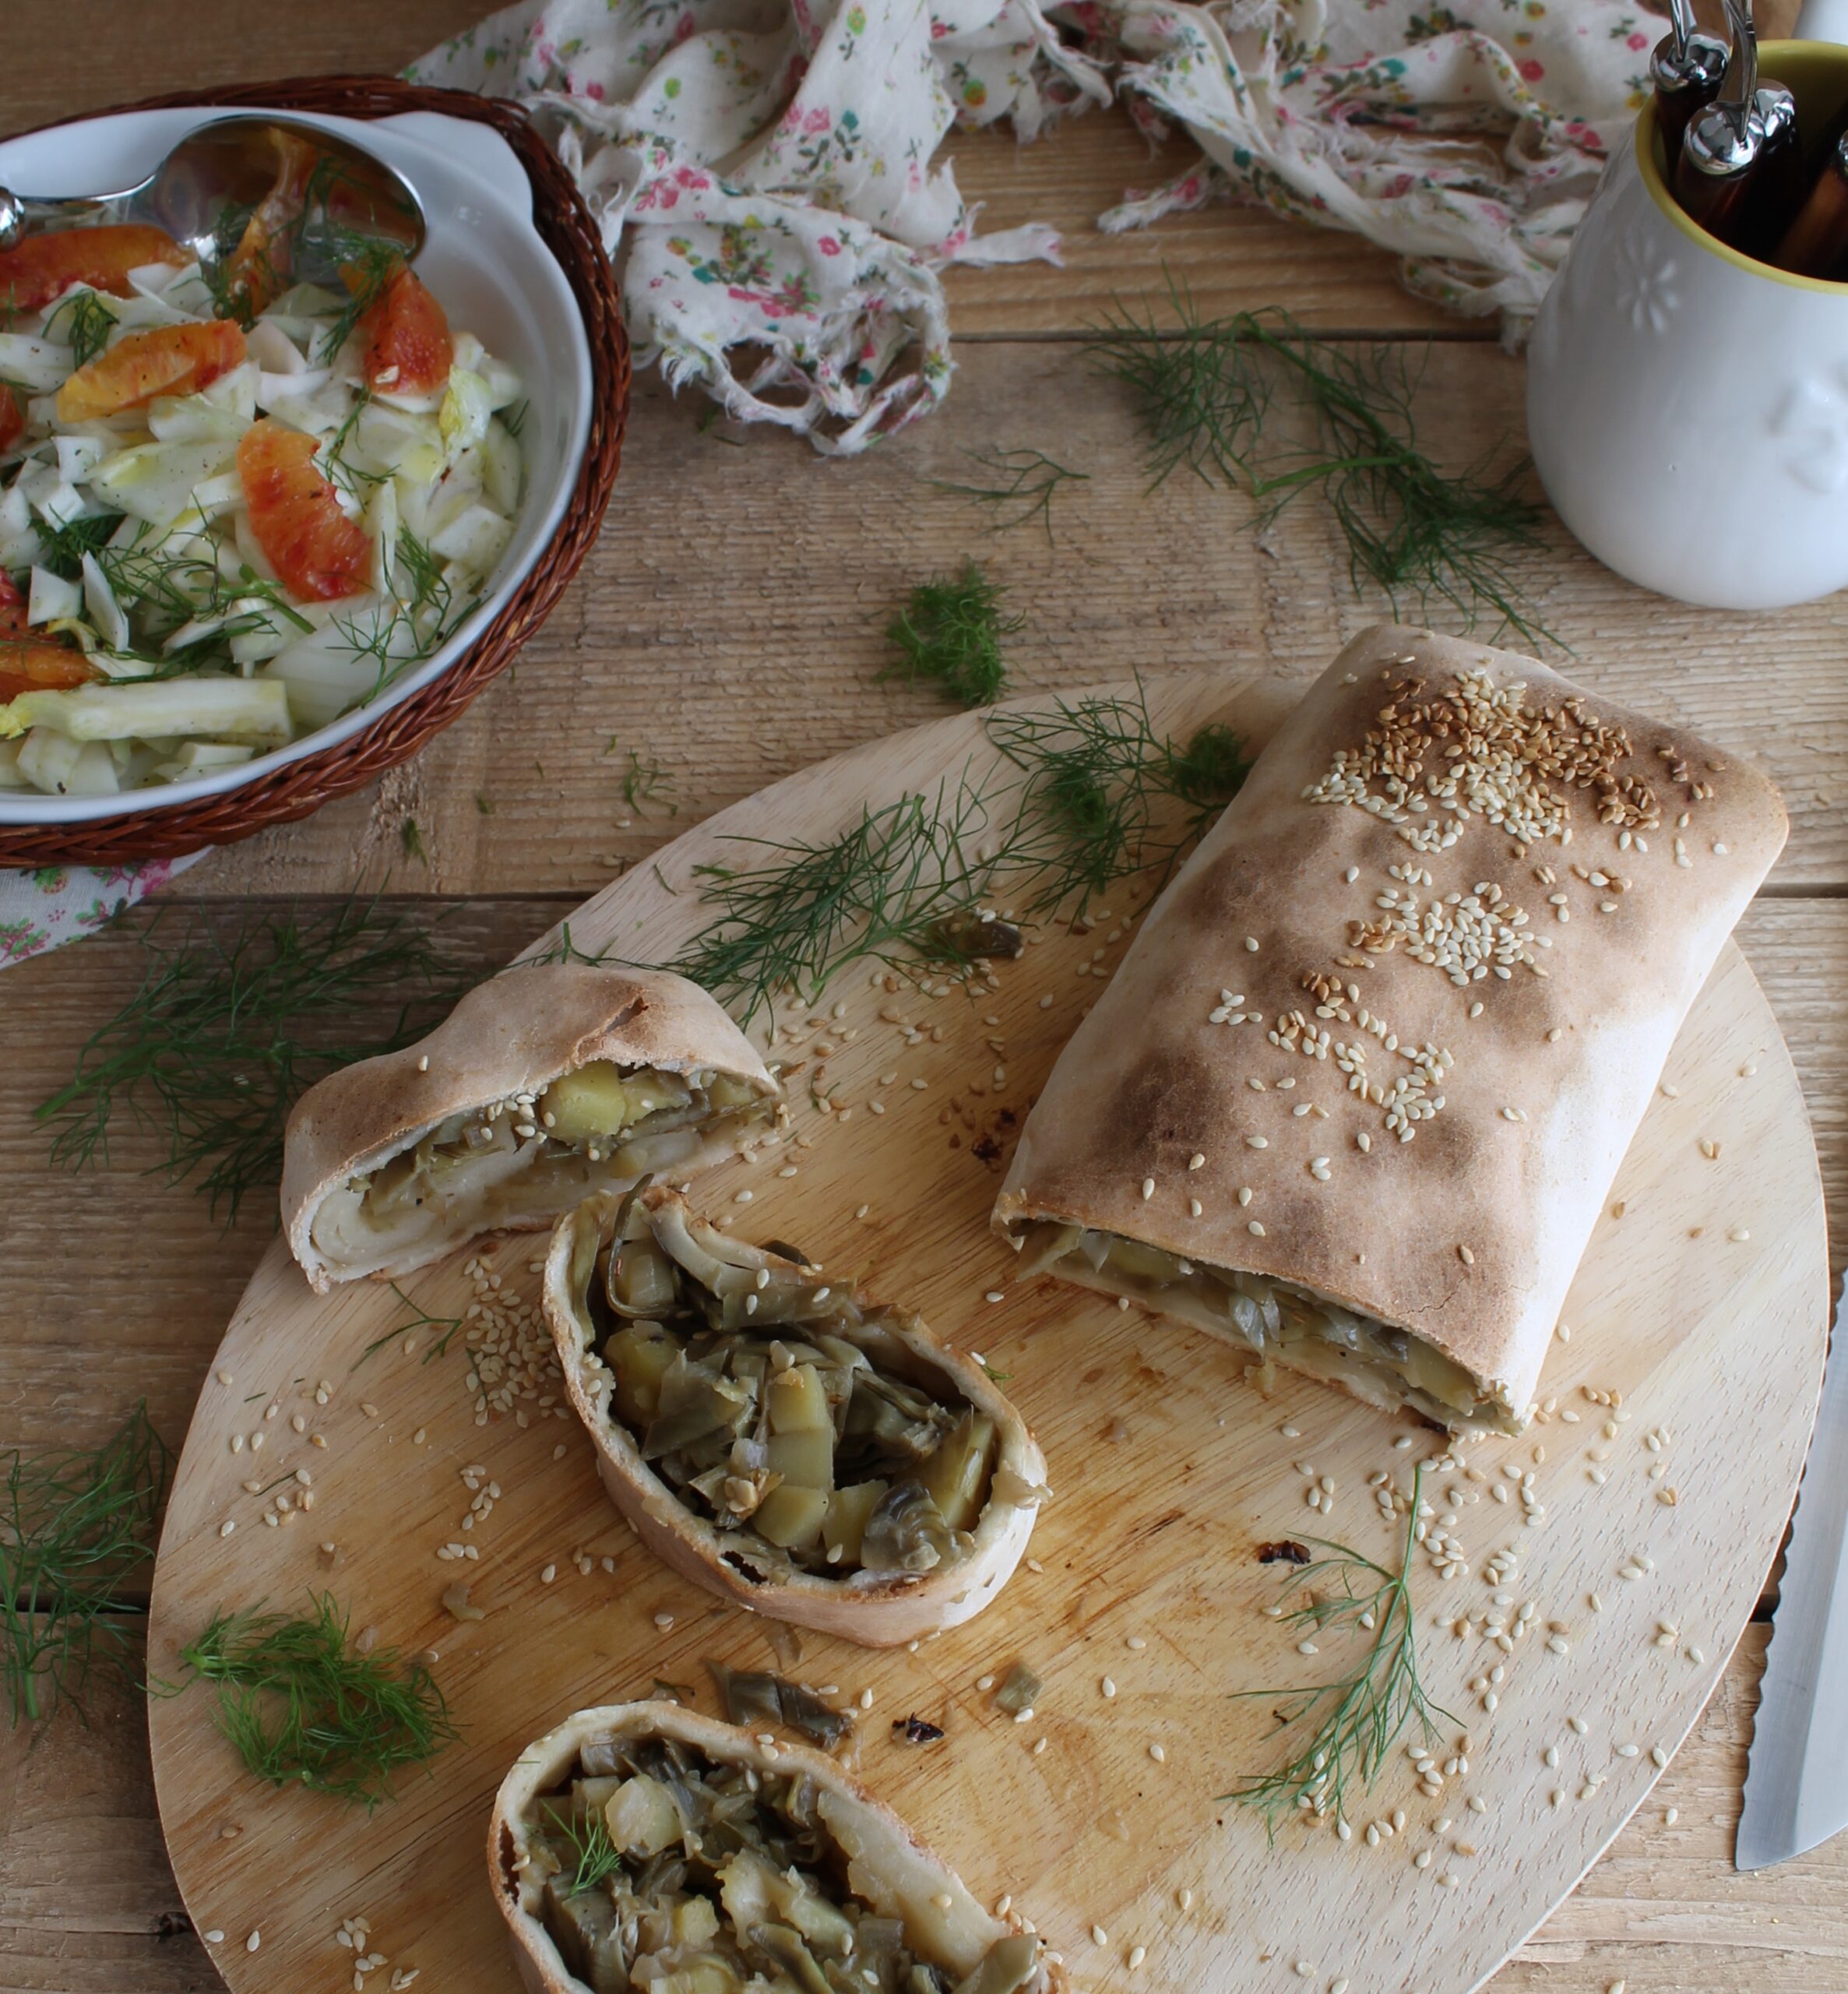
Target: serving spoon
233	163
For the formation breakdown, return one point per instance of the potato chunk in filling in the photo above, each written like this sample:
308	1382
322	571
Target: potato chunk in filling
528	1158
774	1404
662	1868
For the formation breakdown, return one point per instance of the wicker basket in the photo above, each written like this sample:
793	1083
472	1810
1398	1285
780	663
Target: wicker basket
302	787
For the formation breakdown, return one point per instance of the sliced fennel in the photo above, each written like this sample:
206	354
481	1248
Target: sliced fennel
241	709
130	535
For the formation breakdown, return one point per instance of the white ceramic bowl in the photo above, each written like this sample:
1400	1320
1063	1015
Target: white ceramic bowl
495	276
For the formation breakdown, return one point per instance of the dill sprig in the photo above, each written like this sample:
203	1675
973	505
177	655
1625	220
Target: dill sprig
367	264
64	544
1097	799
597	1857
1091	794
304	1708
951	630
420	1319
84	323
175	587
644	783
227	1030
1358	1718
1206	390
1025	481
882	890
75	1527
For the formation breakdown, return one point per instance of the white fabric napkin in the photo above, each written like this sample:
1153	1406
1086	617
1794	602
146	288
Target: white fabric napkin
765	170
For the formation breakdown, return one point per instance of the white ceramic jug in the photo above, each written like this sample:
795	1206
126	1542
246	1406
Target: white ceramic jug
1687	407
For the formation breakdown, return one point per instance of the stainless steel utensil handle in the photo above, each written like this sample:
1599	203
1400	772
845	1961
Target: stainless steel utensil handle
18	211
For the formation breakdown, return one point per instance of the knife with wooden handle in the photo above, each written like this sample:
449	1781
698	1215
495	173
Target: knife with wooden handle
1796	1783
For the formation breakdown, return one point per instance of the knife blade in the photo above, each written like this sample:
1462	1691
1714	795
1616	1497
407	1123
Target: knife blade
1796	1780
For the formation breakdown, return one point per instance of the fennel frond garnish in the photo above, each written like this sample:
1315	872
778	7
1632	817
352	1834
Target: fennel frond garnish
596	1856
1089	794
1025	481
1355	1720
75	1528
228	1028
950	631
304	1707
1207	392
84	321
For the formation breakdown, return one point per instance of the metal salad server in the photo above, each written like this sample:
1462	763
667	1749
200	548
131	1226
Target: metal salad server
1720	149
232	163
1686	69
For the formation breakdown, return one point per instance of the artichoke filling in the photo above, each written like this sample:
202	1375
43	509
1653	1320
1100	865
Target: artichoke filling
658	1868
1277	1319
533	1156
774	1405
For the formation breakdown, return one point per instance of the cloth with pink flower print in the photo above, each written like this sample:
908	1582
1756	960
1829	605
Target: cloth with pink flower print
765	172
42	908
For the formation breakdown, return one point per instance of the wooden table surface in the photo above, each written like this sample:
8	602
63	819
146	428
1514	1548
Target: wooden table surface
727	628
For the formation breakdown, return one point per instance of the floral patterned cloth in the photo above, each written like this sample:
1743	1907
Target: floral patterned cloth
763	169
38	909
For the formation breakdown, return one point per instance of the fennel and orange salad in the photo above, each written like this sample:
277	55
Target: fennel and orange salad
233	504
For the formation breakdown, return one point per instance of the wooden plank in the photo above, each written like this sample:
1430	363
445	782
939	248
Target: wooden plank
85	1879
1233	258
729	627
118	1285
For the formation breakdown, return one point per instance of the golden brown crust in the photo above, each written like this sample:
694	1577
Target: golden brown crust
955	1938
517	1031
1468	1234
876	1610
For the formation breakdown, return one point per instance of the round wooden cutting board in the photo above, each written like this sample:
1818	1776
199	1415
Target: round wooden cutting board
1663	1466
